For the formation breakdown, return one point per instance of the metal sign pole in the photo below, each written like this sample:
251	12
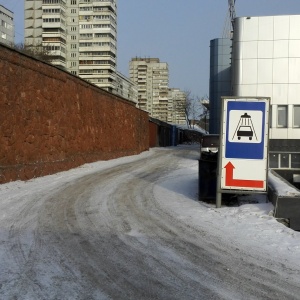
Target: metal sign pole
219	166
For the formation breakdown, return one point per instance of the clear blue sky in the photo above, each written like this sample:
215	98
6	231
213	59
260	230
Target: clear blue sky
176	31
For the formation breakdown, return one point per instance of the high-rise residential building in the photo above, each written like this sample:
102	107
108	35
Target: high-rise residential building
177	105
79	35
152	78
7	31
126	88
45	25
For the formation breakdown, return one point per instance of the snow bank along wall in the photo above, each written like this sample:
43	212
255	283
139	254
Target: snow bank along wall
285	198
52	121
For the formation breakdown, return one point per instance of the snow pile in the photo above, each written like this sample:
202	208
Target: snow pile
281	186
164	200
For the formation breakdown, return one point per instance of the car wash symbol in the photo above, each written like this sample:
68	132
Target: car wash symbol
245	128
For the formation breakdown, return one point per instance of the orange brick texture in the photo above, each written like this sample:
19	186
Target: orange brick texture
52	121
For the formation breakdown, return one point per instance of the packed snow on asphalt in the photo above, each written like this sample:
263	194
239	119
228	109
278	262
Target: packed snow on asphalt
133	228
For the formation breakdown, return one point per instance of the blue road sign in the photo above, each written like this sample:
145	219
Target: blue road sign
245	130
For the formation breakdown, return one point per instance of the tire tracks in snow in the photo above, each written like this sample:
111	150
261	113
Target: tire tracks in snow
107	236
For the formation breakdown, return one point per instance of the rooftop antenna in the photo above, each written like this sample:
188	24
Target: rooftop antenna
229	22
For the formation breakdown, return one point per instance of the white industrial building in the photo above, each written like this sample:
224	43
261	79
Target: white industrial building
7	31
264	62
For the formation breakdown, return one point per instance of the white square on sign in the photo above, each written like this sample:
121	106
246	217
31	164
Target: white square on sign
245	126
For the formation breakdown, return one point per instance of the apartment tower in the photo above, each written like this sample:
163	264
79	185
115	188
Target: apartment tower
177	104
152	79
79	35
7	31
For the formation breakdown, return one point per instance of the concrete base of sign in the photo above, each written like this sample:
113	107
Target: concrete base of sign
286	206
207	180
207	184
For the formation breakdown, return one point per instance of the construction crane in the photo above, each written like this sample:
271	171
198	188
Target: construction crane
229	22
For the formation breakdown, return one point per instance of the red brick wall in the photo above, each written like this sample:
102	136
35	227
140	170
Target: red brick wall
52	121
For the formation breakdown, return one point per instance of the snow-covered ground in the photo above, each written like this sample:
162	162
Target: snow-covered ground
132	228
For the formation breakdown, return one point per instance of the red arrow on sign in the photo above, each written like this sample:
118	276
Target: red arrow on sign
230	181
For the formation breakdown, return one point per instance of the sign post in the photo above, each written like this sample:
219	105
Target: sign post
243	155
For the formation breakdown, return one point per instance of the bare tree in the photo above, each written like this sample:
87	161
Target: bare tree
204	115
39	51
188	107
182	106
178	114
191	107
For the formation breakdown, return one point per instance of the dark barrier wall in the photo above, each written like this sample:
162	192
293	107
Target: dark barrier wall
162	134
189	136
153	134
52	121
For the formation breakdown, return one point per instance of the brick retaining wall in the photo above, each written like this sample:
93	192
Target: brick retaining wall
52	121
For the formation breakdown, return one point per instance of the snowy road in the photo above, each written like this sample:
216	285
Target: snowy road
132	228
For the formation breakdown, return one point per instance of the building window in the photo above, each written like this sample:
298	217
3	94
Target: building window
282	116
296	121
284	160
295	160
84	26
273	160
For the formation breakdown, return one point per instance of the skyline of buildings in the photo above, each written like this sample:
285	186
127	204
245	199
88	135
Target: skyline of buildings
154	94
80	36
